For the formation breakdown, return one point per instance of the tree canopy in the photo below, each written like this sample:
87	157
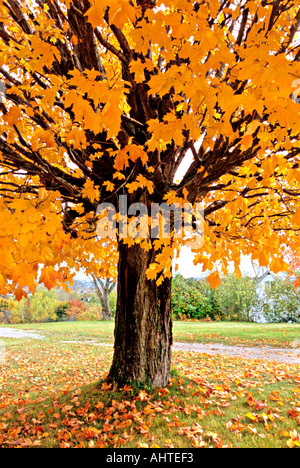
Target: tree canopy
105	98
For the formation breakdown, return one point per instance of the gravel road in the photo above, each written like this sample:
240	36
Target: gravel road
291	356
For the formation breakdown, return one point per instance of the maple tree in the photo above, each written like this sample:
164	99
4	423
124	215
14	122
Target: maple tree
105	98
215	401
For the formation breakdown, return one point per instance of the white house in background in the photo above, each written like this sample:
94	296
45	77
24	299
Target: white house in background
262	281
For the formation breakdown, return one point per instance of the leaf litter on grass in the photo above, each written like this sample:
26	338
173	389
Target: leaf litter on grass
49	398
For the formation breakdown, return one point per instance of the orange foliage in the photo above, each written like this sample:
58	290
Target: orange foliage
105	98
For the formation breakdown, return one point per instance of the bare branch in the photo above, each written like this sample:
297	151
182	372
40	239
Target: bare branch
110	47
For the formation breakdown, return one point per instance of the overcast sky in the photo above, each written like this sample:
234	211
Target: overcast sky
188	269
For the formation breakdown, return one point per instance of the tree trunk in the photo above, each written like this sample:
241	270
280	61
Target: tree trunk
106	312
143	328
103	289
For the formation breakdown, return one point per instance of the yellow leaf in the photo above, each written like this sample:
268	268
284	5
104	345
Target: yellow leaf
43	48
111	116
5	258
152	271
141	182
290	443
251	416
89	191
119	176
95	13
160	280
137	152
109	186
121	11
137	68
13	115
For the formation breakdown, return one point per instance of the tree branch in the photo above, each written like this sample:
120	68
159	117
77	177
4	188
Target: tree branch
110	47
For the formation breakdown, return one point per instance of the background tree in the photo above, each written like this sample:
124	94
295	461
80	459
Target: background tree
237	297
40	307
104	288
210	293
61	311
281	302
109	98
6	307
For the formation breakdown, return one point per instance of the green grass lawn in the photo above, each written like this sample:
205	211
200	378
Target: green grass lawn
236	333
231	333
52	393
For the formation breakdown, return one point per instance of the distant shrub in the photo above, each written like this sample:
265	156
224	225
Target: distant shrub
61	311
77	309
188	302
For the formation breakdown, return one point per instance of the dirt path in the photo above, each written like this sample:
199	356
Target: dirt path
290	356
16	333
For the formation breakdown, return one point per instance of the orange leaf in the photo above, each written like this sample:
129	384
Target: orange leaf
214	280
106	386
49	277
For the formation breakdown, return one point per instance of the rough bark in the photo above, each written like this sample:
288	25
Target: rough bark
143	329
